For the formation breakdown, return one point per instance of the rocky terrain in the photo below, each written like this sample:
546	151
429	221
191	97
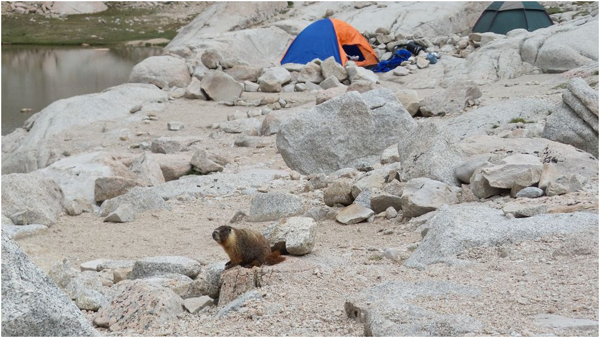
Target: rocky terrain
455	198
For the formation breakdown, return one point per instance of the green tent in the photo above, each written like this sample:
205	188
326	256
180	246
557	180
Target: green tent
503	16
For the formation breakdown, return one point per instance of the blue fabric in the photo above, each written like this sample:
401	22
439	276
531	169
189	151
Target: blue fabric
317	41
432	58
399	56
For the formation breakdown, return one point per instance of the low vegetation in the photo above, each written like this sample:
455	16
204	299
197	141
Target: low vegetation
111	27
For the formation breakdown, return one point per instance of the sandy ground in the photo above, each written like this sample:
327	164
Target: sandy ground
529	278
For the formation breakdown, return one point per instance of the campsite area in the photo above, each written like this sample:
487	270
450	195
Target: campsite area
425	168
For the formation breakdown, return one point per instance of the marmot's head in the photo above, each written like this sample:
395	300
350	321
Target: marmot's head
222	233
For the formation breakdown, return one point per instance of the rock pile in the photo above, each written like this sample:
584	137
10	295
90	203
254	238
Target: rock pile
575	120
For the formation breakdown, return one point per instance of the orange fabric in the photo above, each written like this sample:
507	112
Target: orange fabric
348	35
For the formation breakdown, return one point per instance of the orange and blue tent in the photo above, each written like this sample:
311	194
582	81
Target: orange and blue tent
330	37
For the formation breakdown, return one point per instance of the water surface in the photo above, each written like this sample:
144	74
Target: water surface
35	76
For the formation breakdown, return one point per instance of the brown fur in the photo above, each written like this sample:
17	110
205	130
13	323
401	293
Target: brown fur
245	247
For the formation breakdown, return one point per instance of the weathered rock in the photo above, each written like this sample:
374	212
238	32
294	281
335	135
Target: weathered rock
391	310
92	265
237	301
523	210
375	179
530	192
139	198
331	82
204	162
166	145
85	288
208	281
566	159
331	68
422	62
199	72
381	201
273	79
174	166
454	229
391	213
316	182
147	170
77	175
328	94
243	73
194	186
32	305
465	169
390	155
347	131
109	187
575	120
480	121
79	7
360	86
45	143
295	235
564	323
236	283
161	71
565	184
422	195
193	305
356	73
339	192
410	100
321	213
274	206
164	265
250	141
180	284
219	86
21	231
480	186
207	31
401	71
311	72
364	198
428	151
560	49
354	213
31	199
517	170
194	90
122	214
451	100
272	121
250	127
138	306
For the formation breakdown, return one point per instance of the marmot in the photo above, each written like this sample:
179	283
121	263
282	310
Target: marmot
245	247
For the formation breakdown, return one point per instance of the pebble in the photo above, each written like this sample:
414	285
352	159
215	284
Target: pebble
391	213
174	126
530	192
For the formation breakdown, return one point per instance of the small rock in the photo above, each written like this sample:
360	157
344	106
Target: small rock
193	305
354	213
135	109
91	265
121	274
175	126
530	192
295	235
519	210
124	213
391	213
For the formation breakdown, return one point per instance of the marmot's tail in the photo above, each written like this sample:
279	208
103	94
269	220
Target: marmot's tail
274	258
